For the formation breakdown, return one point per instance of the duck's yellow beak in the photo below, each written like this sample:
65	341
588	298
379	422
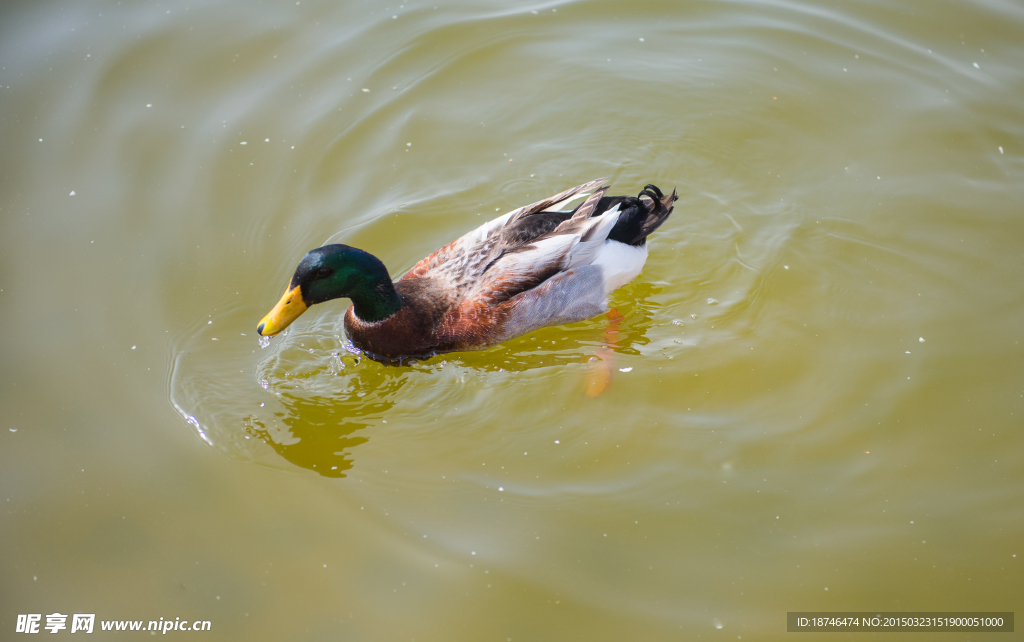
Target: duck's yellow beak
289	308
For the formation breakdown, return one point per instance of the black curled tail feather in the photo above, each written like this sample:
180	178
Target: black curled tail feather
659	209
639	215
652	192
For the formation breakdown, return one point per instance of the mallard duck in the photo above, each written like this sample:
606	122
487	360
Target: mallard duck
533	267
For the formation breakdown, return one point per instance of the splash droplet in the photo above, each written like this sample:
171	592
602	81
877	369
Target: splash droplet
195	422
337	365
263	342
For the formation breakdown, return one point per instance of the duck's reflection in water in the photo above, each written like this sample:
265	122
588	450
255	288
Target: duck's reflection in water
319	432
318	415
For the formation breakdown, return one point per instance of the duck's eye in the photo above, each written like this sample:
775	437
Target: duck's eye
322	272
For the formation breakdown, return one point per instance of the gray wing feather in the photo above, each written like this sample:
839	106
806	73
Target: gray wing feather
570	296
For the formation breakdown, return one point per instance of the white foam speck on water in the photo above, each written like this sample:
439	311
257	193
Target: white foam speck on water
625	370
266	140
1000	147
500	488
72	193
263	342
677	322
149	105
976	66
265	384
718	624
16	430
921	339
641	40
40	140
712	301
245	142
210	322
133	347
365	90
786	266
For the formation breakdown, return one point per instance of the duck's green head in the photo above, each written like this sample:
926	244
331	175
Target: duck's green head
333	272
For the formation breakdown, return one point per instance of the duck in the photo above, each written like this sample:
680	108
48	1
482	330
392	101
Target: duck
533	267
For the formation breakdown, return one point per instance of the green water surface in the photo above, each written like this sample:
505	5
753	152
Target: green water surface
817	392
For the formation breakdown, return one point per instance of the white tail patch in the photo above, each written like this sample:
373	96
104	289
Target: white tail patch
620	263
